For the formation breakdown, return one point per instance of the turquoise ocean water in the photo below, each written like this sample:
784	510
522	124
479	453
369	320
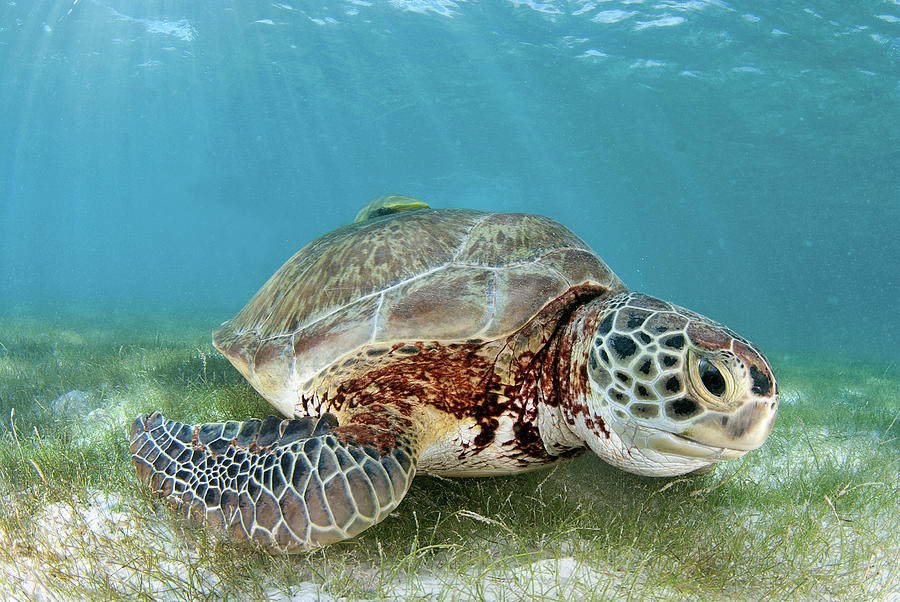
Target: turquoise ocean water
738	158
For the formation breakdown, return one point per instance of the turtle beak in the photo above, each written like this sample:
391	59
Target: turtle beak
676	445
744	430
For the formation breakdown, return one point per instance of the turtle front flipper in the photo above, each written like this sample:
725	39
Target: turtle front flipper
290	484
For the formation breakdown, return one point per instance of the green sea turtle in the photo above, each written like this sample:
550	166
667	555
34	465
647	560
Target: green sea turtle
449	342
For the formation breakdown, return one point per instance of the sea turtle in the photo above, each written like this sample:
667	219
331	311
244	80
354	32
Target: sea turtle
449	342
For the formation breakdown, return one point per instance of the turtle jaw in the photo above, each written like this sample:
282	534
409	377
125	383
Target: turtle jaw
672	444
641	448
744	430
653	452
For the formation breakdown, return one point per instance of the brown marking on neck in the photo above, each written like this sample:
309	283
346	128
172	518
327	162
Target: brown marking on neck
572	375
477	380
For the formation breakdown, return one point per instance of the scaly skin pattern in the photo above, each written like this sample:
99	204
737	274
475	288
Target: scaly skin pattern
287	484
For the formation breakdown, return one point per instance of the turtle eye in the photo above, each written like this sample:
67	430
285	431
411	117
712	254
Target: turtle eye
711	378
712	381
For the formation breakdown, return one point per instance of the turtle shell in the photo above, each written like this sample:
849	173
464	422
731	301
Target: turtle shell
447	275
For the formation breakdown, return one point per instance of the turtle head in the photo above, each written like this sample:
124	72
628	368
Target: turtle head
671	391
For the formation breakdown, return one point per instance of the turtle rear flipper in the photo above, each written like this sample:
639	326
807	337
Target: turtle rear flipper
290	484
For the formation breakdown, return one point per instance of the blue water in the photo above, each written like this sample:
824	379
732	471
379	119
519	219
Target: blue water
738	158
